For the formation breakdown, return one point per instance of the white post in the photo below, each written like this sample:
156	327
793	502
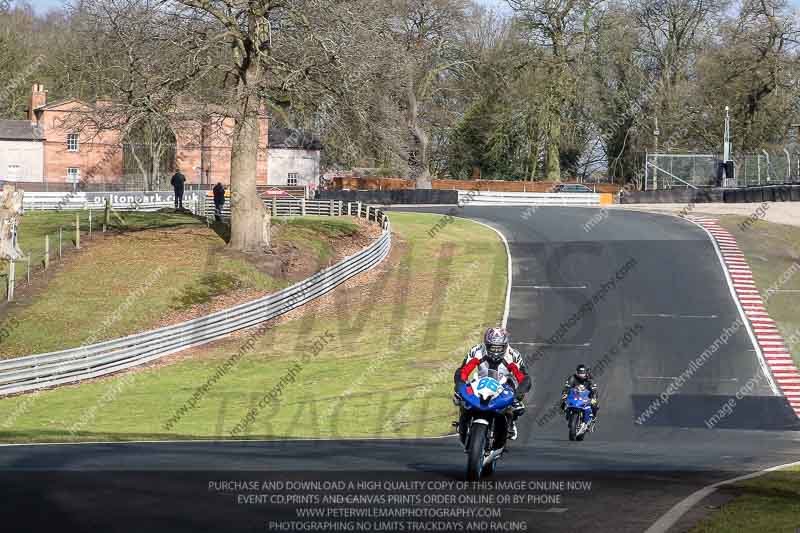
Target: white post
758	168
78	230
358	209
90	223
333	213
341	206
11	279
302	206
46	252
274	206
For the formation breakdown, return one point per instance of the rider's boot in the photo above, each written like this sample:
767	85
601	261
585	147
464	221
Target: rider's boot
517	410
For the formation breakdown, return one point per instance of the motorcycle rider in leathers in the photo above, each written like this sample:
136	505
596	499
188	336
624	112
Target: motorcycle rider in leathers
496	354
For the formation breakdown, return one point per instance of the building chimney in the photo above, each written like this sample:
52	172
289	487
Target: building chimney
38	99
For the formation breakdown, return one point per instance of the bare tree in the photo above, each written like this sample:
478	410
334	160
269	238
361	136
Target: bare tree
231	58
429	33
557	29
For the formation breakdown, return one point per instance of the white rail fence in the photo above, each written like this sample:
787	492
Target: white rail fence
288	206
40	371
488	198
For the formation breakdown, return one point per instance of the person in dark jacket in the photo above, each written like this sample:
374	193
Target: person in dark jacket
582	376
177	182
219	200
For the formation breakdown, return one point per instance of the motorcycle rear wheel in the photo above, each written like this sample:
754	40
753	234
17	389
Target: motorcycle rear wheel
477	445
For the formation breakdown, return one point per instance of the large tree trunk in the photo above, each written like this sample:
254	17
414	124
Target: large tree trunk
10	210
552	161
419	158
249	218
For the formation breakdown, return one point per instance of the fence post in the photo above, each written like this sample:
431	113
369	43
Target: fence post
358	209
46	252
105	215
341	206
90	223
302	207
11	273
78	230
332	209
274	206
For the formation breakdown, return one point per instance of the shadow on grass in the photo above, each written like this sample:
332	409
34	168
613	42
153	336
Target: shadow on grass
223	230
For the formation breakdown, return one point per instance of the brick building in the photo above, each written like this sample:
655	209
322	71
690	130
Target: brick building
49	148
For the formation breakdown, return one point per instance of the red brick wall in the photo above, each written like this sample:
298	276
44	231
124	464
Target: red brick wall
482	185
99	155
210	145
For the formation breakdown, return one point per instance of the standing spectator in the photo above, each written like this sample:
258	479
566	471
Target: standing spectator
177	182
219	200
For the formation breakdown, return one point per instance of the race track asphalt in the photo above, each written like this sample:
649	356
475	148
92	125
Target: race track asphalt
653	278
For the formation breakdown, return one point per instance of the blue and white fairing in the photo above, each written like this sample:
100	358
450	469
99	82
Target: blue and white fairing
487	394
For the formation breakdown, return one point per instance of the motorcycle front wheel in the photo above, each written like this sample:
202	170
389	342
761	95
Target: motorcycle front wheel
477	445
574	425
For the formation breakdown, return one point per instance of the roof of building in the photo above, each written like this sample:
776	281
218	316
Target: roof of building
59	103
293	139
20	130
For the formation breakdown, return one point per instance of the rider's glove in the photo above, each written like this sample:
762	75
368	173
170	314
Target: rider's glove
594	401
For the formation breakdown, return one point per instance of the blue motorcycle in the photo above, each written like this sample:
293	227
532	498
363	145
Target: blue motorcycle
487	401
578	408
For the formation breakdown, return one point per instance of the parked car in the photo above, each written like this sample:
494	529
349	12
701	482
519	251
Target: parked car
572	187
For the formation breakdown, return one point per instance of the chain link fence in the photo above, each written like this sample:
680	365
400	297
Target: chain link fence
770	167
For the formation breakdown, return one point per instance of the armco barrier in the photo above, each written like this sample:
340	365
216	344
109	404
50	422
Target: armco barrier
69	366
485	198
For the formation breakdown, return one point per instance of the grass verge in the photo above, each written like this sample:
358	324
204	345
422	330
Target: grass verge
773	252
374	358
160	267
767	504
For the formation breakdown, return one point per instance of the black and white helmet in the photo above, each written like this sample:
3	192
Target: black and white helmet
582	373
495	340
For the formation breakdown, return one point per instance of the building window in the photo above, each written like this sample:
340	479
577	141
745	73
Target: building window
13	172
73	175
72	142
292	179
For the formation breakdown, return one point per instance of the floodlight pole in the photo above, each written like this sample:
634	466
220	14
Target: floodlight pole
656	133
726	141
726	149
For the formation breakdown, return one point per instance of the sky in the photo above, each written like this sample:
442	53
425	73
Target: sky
44	5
